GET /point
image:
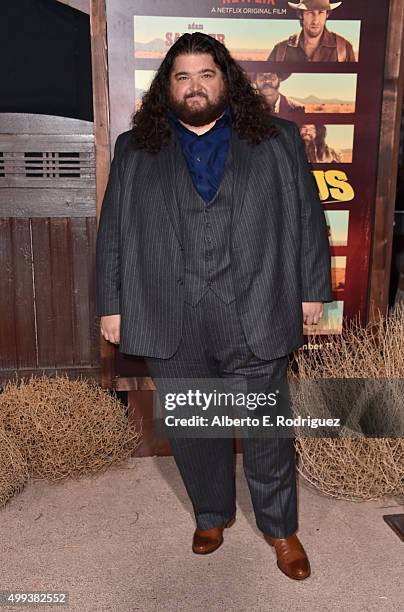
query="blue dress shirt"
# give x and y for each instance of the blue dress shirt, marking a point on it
(205, 154)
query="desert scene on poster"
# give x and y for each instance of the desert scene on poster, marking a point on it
(338, 271)
(334, 93)
(246, 39)
(311, 92)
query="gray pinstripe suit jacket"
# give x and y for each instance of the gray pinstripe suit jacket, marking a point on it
(279, 246)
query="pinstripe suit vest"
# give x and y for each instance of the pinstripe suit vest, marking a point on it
(206, 231)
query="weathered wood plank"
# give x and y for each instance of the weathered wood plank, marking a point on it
(95, 336)
(28, 123)
(91, 372)
(24, 306)
(8, 343)
(43, 292)
(47, 203)
(62, 143)
(79, 256)
(61, 280)
(22, 182)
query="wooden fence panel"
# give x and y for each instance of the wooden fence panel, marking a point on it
(48, 319)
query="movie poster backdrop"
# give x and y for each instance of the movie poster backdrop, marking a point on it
(334, 96)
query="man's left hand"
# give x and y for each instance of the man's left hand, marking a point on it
(312, 312)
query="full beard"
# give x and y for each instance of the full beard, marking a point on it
(199, 116)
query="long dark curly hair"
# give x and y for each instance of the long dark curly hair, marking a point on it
(251, 116)
(321, 145)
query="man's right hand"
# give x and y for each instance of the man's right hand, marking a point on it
(110, 328)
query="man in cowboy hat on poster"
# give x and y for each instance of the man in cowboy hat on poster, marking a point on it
(268, 84)
(314, 43)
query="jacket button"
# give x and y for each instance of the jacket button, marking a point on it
(180, 281)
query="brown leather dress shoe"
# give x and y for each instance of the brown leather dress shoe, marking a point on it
(207, 540)
(292, 559)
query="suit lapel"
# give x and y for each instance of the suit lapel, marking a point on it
(242, 153)
(167, 162)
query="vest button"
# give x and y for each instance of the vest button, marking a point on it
(180, 281)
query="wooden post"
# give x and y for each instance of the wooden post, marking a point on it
(388, 163)
(98, 25)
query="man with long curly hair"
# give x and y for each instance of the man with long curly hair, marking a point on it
(317, 150)
(212, 251)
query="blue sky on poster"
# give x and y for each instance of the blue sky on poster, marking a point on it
(338, 261)
(240, 33)
(322, 85)
(340, 136)
(338, 221)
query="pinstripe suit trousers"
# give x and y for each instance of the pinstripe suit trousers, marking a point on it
(213, 345)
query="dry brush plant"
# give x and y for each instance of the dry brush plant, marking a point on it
(65, 427)
(359, 378)
(13, 468)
